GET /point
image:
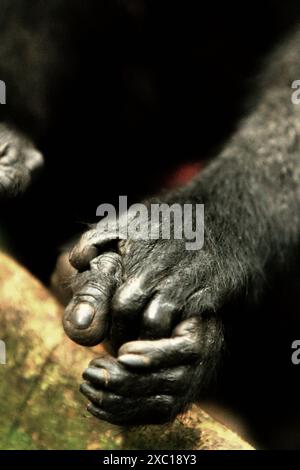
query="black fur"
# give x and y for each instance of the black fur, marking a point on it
(251, 193)
(149, 91)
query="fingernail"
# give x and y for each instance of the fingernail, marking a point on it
(82, 315)
(134, 360)
(96, 375)
(81, 256)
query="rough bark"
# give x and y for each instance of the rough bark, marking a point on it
(40, 406)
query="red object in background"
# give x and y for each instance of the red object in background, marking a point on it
(183, 174)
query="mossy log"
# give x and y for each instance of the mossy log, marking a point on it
(40, 405)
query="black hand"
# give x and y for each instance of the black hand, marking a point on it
(153, 381)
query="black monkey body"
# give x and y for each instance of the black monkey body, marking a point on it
(167, 312)
(251, 193)
(154, 92)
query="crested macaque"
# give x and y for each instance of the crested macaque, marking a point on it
(108, 89)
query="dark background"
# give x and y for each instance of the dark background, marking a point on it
(145, 87)
(149, 86)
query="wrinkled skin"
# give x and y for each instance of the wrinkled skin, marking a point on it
(161, 306)
(121, 392)
(156, 300)
(158, 304)
(164, 314)
(19, 161)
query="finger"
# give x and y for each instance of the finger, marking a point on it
(182, 348)
(127, 305)
(106, 232)
(120, 380)
(86, 319)
(91, 243)
(101, 414)
(120, 410)
(159, 318)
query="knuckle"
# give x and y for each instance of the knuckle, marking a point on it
(83, 253)
(109, 264)
(101, 361)
(122, 299)
(131, 296)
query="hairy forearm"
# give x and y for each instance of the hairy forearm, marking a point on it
(251, 191)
